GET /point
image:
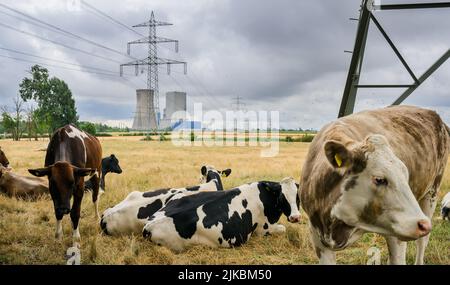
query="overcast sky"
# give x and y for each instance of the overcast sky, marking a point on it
(283, 55)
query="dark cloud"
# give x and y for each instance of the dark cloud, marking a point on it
(282, 55)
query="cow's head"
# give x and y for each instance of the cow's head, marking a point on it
(209, 173)
(3, 170)
(445, 210)
(376, 196)
(286, 197)
(3, 160)
(63, 179)
(112, 164)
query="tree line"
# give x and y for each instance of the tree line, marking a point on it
(54, 107)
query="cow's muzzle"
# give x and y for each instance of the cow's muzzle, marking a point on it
(446, 213)
(146, 234)
(104, 226)
(423, 227)
(294, 218)
(62, 211)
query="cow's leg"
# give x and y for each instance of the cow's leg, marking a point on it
(397, 250)
(326, 256)
(428, 205)
(95, 190)
(276, 229)
(75, 215)
(59, 230)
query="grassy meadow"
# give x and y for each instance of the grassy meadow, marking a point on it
(27, 228)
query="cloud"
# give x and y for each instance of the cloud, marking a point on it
(282, 55)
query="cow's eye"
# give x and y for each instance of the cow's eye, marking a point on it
(380, 181)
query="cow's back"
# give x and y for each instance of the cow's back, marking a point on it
(417, 136)
(75, 147)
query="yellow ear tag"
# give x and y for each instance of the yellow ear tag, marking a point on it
(338, 160)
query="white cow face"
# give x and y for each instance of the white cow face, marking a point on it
(376, 196)
(290, 205)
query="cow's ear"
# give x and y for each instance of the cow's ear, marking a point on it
(39, 172)
(203, 170)
(81, 172)
(337, 154)
(225, 172)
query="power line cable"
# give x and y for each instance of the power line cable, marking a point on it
(57, 43)
(65, 32)
(103, 14)
(60, 61)
(57, 66)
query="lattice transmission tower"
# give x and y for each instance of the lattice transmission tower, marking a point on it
(152, 62)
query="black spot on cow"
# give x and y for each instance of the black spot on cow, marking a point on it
(273, 200)
(183, 211)
(148, 211)
(154, 193)
(168, 198)
(220, 240)
(350, 183)
(266, 226)
(237, 228)
(193, 188)
(214, 175)
(244, 203)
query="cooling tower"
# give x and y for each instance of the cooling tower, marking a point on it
(175, 101)
(144, 117)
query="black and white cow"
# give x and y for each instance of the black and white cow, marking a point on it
(130, 215)
(109, 164)
(445, 210)
(224, 218)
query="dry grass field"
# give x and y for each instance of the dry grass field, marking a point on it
(27, 228)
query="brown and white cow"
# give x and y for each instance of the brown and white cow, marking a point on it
(3, 160)
(71, 156)
(15, 185)
(375, 171)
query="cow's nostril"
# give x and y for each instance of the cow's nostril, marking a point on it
(294, 219)
(147, 234)
(424, 227)
(103, 226)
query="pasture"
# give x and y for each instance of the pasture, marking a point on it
(27, 228)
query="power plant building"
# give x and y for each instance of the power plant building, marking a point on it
(176, 107)
(144, 117)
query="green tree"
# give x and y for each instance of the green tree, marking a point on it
(88, 127)
(56, 106)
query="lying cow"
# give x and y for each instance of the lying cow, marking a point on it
(445, 210)
(109, 164)
(3, 160)
(375, 171)
(71, 156)
(224, 218)
(15, 185)
(130, 215)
